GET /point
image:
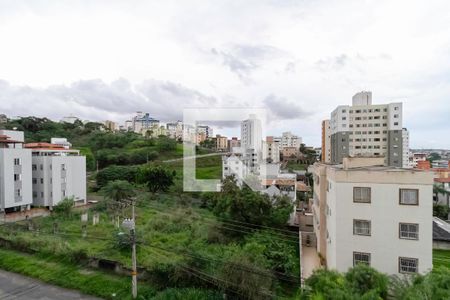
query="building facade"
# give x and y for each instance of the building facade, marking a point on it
(326, 141)
(365, 212)
(143, 122)
(15, 172)
(406, 152)
(290, 140)
(57, 173)
(272, 150)
(366, 129)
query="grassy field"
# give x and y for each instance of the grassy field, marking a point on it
(291, 165)
(441, 258)
(169, 236)
(62, 272)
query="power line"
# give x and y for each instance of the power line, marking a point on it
(184, 253)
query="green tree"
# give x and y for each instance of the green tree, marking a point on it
(64, 207)
(441, 211)
(118, 194)
(363, 280)
(157, 179)
(166, 144)
(112, 173)
(434, 285)
(245, 205)
(238, 281)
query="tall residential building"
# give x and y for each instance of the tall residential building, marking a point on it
(406, 163)
(57, 173)
(143, 122)
(272, 149)
(15, 172)
(251, 134)
(290, 140)
(3, 119)
(205, 130)
(175, 130)
(365, 212)
(326, 141)
(366, 129)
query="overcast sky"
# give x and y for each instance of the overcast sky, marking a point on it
(103, 60)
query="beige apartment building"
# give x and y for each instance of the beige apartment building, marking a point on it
(221, 142)
(365, 212)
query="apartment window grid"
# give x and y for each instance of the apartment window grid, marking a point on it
(409, 197)
(361, 258)
(409, 231)
(362, 195)
(17, 161)
(362, 227)
(408, 265)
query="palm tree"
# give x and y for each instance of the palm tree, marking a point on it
(120, 194)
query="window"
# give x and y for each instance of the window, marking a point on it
(409, 231)
(17, 161)
(361, 227)
(34, 167)
(361, 258)
(18, 192)
(17, 177)
(34, 194)
(63, 167)
(42, 180)
(34, 180)
(408, 265)
(41, 167)
(409, 197)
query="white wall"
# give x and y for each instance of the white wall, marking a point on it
(7, 170)
(385, 214)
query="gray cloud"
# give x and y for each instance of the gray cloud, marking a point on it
(97, 100)
(242, 59)
(282, 108)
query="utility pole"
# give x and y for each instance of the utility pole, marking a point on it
(130, 224)
(133, 253)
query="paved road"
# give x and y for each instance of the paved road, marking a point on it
(17, 287)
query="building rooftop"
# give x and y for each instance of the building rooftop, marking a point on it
(441, 230)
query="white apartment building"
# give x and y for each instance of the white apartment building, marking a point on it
(175, 130)
(251, 134)
(366, 129)
(57, 173)
(365, 212)
(290, 140)
(326, 141)
(15, 172)
(142, 122)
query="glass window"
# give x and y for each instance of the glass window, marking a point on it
(408, 265)
(361, 227)
(409, 197)
(409, 231)
(361, 258)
